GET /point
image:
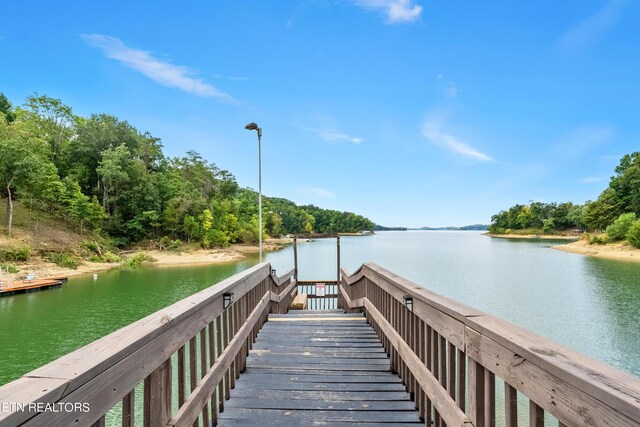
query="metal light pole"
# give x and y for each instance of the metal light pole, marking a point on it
(253, 126)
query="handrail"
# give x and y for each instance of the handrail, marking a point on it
(440, 344)
(108, 370)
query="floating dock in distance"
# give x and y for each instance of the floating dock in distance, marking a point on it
(23, 286)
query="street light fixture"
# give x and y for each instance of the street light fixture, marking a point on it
(253, 126)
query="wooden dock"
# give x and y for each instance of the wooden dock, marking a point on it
(383, 346)
(22, 286)
(318, 367)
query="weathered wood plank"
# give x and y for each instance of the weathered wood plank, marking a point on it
(258, 386)
(349, 376)
(291, 417)
(327, 396)
(321, 404)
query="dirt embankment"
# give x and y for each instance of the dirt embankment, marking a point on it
(43, 268)
(621, 251)
(534, 236)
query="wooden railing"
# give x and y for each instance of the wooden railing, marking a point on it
(464, 367)
(201, 338)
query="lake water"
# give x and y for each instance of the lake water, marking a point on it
(588, 304)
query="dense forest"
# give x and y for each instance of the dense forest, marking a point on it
(104, 175)
(615, 211)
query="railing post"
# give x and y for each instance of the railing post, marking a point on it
(295, 258)
(338, 275)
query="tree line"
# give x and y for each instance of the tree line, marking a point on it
(104, 175)
(615, 211)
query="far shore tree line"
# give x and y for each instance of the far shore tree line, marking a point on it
(616, 211)
(104, 175)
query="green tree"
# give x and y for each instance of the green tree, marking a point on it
(618, 229)
(84, 153)
(113, 175)
(633, 234)
(81, 208)
(626, 183)
(191, 228)
(6, 108)
(53, 121)
(22, 160)
(41, 191)
(599, 214)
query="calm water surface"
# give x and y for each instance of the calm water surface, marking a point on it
(588, 304)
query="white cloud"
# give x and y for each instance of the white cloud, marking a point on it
(594, 26)
(432, 130)
(333, 135)
(397, 11)
(161, 72)
(317, 192)
(591, 180)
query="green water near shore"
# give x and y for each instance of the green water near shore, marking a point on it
(591, 305)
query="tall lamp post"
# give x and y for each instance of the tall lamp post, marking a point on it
(253, 126)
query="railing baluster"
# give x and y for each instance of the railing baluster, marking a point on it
(489, 398)
(157, 396)
(443, 362)
(193, 369)
(212, 359)
(181, 376)
(510, 406)
(221, 393)
(461, 383)
(128, 409)
(435, 367)
(452, 371)
(476, 393)
(421, 354)
(203, 372)
(429, 358)
(536, 415)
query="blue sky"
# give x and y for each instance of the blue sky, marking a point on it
(411, 112)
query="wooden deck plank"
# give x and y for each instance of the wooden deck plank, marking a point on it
(287, 417)
(321, 368)
(327, 396)
(320, 404)
(258, 387)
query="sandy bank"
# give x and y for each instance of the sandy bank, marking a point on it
(615, 251)
(43, 268)
(533, 236)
